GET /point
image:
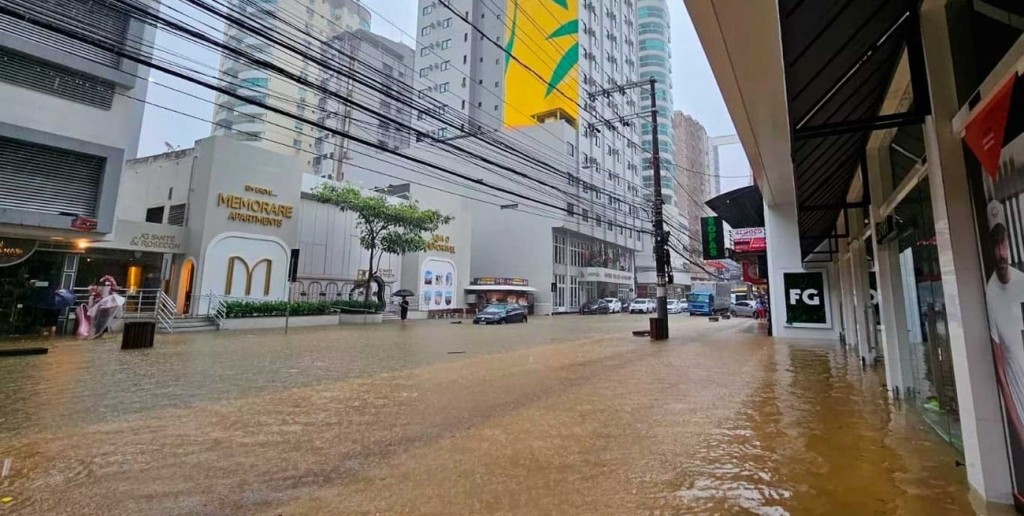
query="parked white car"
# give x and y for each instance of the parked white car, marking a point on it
(642, 306)
(675, 306)
(614, 305)
(742, 309)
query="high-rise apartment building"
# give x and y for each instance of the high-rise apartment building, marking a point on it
(304, 23)
(376, 75)
(696, 183)
(514, 83)
(654, 31)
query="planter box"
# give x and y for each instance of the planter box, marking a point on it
(261, 323)
(359, 318)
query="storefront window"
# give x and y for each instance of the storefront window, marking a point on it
(926, 360)
(25, 290)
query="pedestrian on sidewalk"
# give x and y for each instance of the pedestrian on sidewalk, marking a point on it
(403, 308)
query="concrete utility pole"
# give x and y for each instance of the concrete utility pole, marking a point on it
(659, 323)
(660, 249)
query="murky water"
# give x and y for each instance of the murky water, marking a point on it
(559, 416)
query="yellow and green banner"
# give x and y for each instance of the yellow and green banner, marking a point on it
(542, 39)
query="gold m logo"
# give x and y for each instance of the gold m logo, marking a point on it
(249, 271)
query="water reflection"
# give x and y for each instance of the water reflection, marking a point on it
(550, 417)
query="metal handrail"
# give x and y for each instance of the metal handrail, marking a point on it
(166, 311)
(216, 310)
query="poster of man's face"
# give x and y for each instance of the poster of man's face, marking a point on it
(996, 175)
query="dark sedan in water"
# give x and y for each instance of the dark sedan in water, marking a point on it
(501, 313)
(596, 306)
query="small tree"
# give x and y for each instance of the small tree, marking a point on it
(385, 227)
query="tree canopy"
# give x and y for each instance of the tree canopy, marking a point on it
(385, 226)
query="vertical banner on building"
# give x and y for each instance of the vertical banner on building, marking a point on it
(995, 136)
(542, 39)
(712, 237)
(438, 282)
(807, 299)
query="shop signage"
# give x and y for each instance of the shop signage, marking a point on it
(749, 240)
(806, 299)
(606, 275)
(249, 270)
(712, 237)
(995, 135)
(251, 210)
(14, 250)
(500, 282)
(385, 274)
(83, 224)
(156, 242)
(755, 270)
(441, 244)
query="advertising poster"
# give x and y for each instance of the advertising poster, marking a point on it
(529, 98)
(437, 284)
(995, 137)
(806, 299)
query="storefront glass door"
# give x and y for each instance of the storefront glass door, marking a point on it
(25, 292)
(926, 360)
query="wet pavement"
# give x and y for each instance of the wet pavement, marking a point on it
(563, 415)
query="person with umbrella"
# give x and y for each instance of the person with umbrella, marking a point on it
(403, 306)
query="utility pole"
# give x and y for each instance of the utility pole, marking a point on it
(659, 327)
(659, 323)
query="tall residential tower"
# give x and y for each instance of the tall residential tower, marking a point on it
(297, 22)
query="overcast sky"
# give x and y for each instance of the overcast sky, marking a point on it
(695, 91)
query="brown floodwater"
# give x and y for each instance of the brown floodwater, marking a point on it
(564, 415)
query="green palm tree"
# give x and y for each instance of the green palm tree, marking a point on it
(569, 58)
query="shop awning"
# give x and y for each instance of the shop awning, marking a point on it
(500, 288)
(840, 57)
(740, 208)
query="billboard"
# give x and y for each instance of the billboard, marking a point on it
(749, 240)
(543, 38)
(995, 136)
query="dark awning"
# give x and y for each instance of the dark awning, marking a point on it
(840, 57)
(740, 208)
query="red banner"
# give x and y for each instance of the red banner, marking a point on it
(752, 273)
(984, 133)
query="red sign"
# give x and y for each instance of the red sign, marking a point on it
(752, 273)
(83, 224)
(984, 133)
(749, 240)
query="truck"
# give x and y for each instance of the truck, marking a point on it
(709, 298)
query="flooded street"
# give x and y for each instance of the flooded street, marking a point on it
(562, 415)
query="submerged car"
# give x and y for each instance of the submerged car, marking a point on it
(641, 306)
(595, 306)
(743, 309)
(501, 313)
(614, 305)
(674, 306)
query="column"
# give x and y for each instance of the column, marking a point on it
(985, 450)
(892, 308)
(861, 299)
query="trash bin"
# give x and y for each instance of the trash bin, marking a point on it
(659, 328)
(138, 335)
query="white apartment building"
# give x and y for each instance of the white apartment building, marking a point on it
(468, 85)
(377, 75)
(303, 23)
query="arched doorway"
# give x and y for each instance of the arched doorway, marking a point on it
(185, 283)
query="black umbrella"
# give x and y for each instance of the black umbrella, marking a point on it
(403, 293)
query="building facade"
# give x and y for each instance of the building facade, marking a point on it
(914, 225)
(383, 75)
(297, 23)
(696, 182)
(655, 60)
(68, 122)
